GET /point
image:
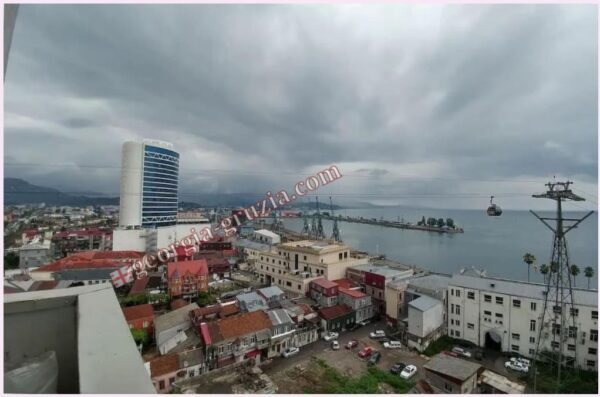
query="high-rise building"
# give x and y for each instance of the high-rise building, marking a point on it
(149, 184)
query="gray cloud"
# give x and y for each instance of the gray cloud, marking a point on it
(402, 96)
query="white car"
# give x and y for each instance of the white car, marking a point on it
(394, 344)
(515, 366)
(377, 334)
(520, 360)
(290, 351)
(461, 352)
(329, 336)
(335, 345)
(408, 372)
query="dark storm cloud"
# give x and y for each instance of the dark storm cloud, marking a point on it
(399, 96)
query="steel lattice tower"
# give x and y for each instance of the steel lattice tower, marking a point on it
(336, 231)
(557, 321)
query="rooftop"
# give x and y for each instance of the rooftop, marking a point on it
(501, 383)
(173, 318)
(384, 270)
(519, 288)
(436, 282)
(336, 311)
(272, 291)
(195, 267)
(454, 367)
(91, 260)
(138, 312)
(253, 245)
(279, 316)
(424, 303)
(345, 283)
(252, 301)
(267, 233)
(324, 283)
(353, 293)
(243, 324)
(314, 246)
(163, 365)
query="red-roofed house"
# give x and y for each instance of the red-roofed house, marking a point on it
(360, 302)
(140, 317)
(337, 318)
(236, 338)
(163, 371)
(187, 278)
(346, 283)
(324, 292)
(92, 260)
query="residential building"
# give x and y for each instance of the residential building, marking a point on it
(266, 237)
(69, 241)
(235, 339)
(163, 371)
(171, 329)
(425, 322)
(337, 318)
(376, 278)
(85, 328)
(34, 254)
(282, 332)
(447, 374)
(293, 265)
(324, 292)
(187, 278)
(214, 312)
(192, 362)
(506, 315)
(273, 295)
(140, 317)
(306, 320)
(358, 301)
(494, 383)
(395, 310)
(251, 302)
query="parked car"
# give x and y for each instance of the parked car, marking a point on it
(366, 352)
(364, 322)
(377, 334)
(408, 372)
(335, 345)
(397, 368)
(329, 336)
(290, 351)
(515, 366)
(384, 340)
(352, 344)
(446, 352)
(461, 351)
(374, 358)
(394, 344)
(521, 360)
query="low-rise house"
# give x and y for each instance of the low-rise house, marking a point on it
(282, 332)
(324, 292)
(192, 362)
(214, 312)
(358, 301)
(251, 302)
(217, 265)
(187, 278)
(34, 254)
(425, 322)
(235, 339)
(337, 318)
(266, 237)
(493, 383)
(307, 322)
(171, 329)
(447, 374)
(273, 295)
(163, 371)
(152, 284)
(140, 317)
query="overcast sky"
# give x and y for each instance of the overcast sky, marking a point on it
(429, 101)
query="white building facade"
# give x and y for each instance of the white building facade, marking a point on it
(506, 315)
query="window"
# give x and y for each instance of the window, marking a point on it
(171, 380)
(531, 352)
(554, 344)
(532, 325)
(555, 329)
(487, 312)
(447, 387)
(457, 322)
(452, 308)
(516, 336)
(471, 295)
(457, 334)
(457, 309)
(514, 348)
(533, 306)
(304, 257)
(571, 348)
(288, 283)
(299, 287)
(593, 351)
(452, 291)
(145, 325)
(516, 303)
(487, 298)
(451, 332)
(594, 335)
(531, 339)
(556, 309)
(572, 332)
(161, 384)
(340, 256)
(574, 311)
(452, 322)
(499, 315)
(594, 314)
(470, 326)
(590, 363)
(458, 293)
(499, 300)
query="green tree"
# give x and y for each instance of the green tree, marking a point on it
(574, 269)
(431, 221)
(440, 223)
(589, 273)
(544, 269)
(450, 222)
(140, 336)
(11, 261)
(528, 259)
(423, 222)
(205, 298)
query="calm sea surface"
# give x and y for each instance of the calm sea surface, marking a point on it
(496, 244)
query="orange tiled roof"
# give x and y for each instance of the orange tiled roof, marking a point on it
(197, 267)
(233, 327)
(138, 311)
(92, 260)
(332, 312)
(164, 365)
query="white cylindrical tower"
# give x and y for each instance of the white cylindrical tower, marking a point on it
(130, 204)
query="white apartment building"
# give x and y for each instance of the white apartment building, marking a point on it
(506, 315)
(292, 266)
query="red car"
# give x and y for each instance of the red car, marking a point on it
(366, 352)
(446, 352)
(352, 344)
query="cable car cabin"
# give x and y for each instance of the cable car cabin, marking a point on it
(493, 209)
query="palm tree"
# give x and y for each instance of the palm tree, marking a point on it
(589, 273)
(574, 269)
(544, 269)
(529, 259)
